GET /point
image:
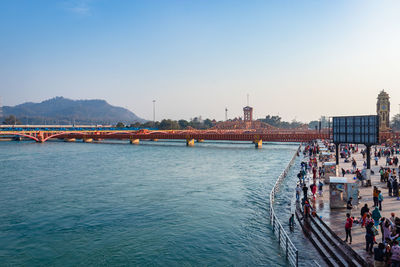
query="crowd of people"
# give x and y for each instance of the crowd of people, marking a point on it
(312, 173)
(382, 234)
(387, 251)
(385, 232)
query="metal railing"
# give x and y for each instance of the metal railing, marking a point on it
(291, 252)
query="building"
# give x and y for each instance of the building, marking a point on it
(248, 113)
(383, 111)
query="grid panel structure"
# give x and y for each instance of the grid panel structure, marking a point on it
(356, 130)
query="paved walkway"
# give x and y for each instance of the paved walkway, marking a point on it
(336, 218)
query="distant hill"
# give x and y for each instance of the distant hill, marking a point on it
(60, 110)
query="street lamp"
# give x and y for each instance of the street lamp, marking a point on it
(154, 113)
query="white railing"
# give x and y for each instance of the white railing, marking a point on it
(292, 254)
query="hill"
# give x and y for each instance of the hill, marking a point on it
(60, 110)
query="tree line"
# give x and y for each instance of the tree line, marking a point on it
(198, 123)
(167, 124)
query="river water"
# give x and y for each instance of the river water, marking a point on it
(154, 204)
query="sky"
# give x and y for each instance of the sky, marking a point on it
(296, 59)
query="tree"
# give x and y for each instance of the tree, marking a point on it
(135, 125)
(168, 125)
(183, 124)
(120, 125)
(395, 124)
(208, 123)
(195, 123)
(272, 120)
(11, 120)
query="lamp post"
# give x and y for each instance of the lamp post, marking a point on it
(154, 113)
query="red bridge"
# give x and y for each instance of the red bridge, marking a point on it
(190, 136)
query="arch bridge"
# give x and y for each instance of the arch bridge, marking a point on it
(190, 136)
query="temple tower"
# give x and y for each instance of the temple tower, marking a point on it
(248, 113)
(383, 111)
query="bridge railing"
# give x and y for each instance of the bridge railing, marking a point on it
(291, 252)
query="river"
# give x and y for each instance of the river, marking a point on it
(153, 204)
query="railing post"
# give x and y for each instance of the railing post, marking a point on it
(279, 235)
(270, 215)
(273, 224)
(287, 247)
(297, 258)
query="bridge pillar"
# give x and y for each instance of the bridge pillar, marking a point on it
(189, 142)
(134, 141)
(258, 143)
(200, 140)
(87, 140)
(40, 137)
(154, 140)
(69, 139)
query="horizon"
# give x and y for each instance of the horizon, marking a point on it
(296, 60)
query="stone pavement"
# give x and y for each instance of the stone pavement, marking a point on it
(336, 218)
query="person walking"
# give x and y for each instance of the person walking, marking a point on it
(305, 190)
(369, 237)
(291, 222)
(298, 192)
(349, 205)
(354, 164)
(395, 185)
(313, 189)
(307, 209)
(386, 229)
(348, 226)
(376, 215)
(382, 173)
(299, 175)
(320, 188)
(314, 171)
(390, 186)
(364, 212)
(375, 195)
(380, 199)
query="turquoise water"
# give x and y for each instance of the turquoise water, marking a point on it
(155, 204)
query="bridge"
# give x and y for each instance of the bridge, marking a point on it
(191, 136)
(71, 133)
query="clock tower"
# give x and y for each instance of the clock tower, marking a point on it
(383, 111)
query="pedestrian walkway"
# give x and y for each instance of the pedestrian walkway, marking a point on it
(336, 218)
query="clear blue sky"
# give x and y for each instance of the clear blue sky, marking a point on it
(298, 59)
